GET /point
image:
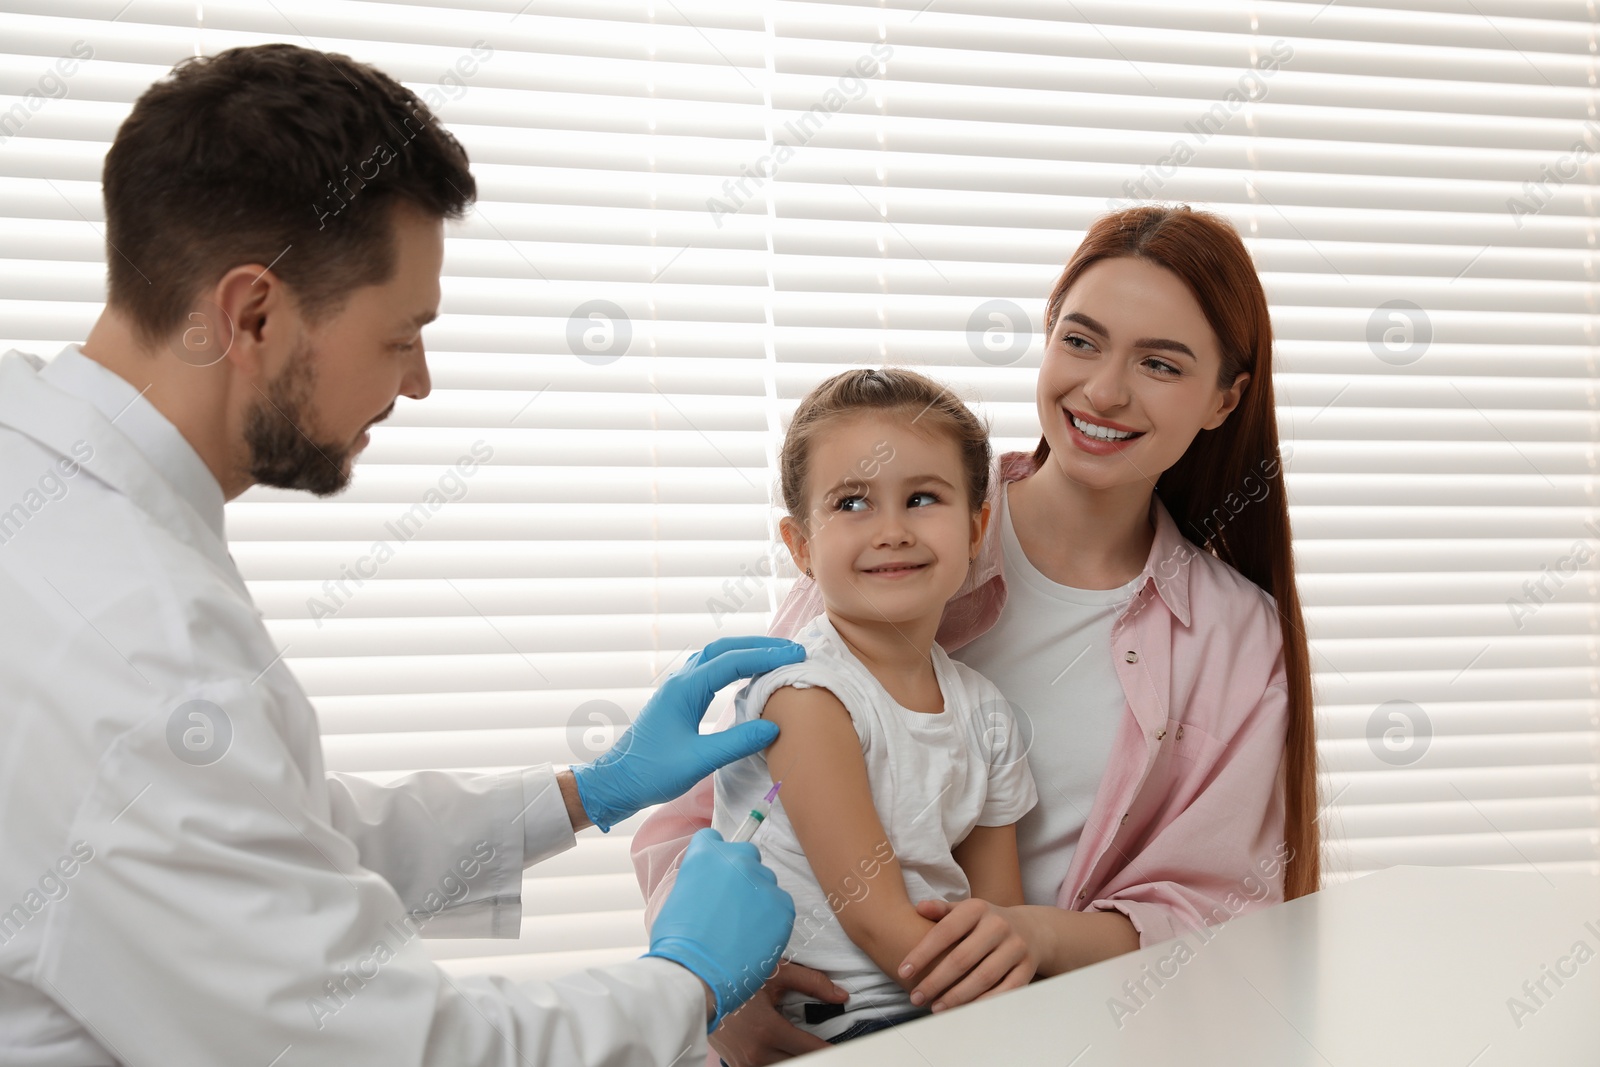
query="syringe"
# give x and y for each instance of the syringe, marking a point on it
(757, 816)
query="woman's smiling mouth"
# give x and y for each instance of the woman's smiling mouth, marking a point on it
(1098, 437)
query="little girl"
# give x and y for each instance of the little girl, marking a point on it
(903, 771)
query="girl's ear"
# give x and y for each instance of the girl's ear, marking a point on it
(980, 524)
(794, 539)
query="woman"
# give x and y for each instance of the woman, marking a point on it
(1168, 685)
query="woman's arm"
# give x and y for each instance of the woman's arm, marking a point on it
(659, 843)
(828, 800)
(994, 942)
(1233, 872)
(990, 948)
(989, 858)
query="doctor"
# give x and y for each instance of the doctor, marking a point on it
(181, 883)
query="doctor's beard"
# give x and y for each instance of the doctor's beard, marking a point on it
(282, 452)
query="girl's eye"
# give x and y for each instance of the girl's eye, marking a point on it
(1161, 366)
(930, 498)
(1081, 343)
(850, 503)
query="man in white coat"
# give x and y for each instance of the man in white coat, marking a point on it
(181, 883)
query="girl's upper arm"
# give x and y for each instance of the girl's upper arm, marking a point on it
(989, 858)
(828, 800)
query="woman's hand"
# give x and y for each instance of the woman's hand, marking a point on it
(990, 951)
(757, 1034)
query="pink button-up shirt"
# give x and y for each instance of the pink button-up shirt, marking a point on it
(1187, 825)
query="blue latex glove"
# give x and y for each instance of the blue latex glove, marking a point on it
(726, 920)
(663, 753)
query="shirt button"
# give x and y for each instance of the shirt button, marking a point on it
(1082, 893)
(1124, 818)
(1161, 733)
(1131, 656)
(1180, 734)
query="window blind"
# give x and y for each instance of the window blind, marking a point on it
(690, 212)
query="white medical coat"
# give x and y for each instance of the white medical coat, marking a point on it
(181, 883)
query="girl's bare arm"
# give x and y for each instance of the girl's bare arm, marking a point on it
(828, 800)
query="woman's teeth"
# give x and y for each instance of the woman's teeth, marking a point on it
(1089, 429)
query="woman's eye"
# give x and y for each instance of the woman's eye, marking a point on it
(1082, 344)
(925, 498)
(1161, 366)
(850, 503)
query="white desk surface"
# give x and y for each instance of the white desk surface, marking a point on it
(1409, 966)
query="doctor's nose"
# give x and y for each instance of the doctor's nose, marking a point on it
(417, 383)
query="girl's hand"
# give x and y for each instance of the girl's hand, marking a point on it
(757, 1034)
(989, 953)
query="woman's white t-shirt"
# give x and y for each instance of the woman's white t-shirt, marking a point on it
(1050, 654)
(933, 777)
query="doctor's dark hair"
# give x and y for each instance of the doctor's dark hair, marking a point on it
(891, 391)
(273, 154)
(1205, 253)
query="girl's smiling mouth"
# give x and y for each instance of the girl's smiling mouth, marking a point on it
(894, 570)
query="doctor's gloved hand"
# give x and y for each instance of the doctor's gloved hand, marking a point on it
(663, 753)
(726, 920)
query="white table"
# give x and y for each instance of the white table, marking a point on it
(1409, 966)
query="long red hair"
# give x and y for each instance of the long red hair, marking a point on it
(1206, 253)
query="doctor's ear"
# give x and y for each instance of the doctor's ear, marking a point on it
(236, 319)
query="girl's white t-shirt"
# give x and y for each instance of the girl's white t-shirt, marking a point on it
(933, 777)
(1050, 653)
